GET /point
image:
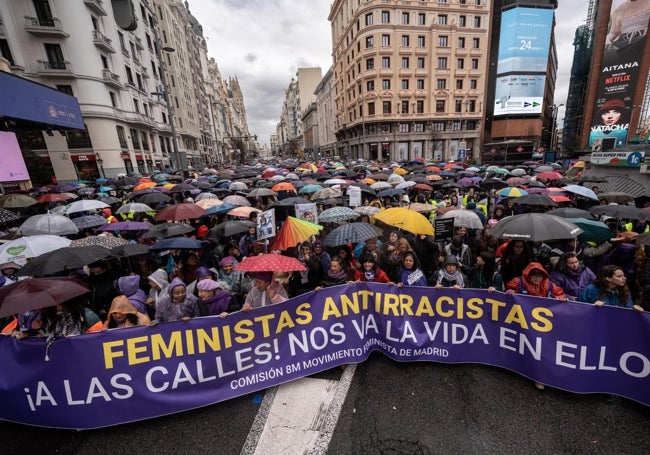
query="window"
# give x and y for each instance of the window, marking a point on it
(138, 77)
(67, 89)
(405, 84)
(443, 41)
(419, 108)
(385, 128)
(422, 19)
(104, 62)
(405, 41)
(442, 62)
(113, 99)
(385, 84)
(369, 19)
(470, 125)
(370, 86)
(456, 125)
(477, 21)
(459, 84)
(419, 84)
(136, 105)
(461, 42)
(471, 106)
(441, 84)
(129, 75)
(440, 106)
(385, 62)
(135, 138)
(473, 84)
(5, 51)
(421, 63)
(370, 64)
(442, 19)
(458, 106)
(476, 43)
(462, 21)
(385, 40)
(405, 62)
(121, 136)
(421, 41)
(474, 63)
(438, 126)
(371, 108)
(460, 63)
(370, 42)
(145, 141)
(55, 56)
(405, 18)
(386, 106)
(385, 17)
(404, 127)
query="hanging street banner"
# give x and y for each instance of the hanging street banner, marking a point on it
(130, 374)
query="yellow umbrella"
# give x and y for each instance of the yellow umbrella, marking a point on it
(400, 171)
(405, 219)
(368, 181)
(433, 177)
(144, 186)
(169, 186)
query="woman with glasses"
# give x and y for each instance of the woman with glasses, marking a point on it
(609, 289)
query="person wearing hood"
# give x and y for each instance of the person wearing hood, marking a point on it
(213, 301)
(535, 281)
(130, 286)
(450, 275)
(571, 275)
(9, 270)
(158, 282)
(266, 291)
(201, 273)
(122, 313)
(177, 304)
(101, 281)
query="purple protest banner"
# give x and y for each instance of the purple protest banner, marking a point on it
(125, 375)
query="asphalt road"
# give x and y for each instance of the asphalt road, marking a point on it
(391, 408)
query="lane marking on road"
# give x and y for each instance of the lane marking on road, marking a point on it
(298, 417)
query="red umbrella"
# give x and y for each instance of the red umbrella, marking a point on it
(423, 186)
(56, 197)
(283, 186)
(549, 175)
(177, 212)
(270, 263)
(35, 293)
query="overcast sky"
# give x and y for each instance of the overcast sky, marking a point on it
(264, 42)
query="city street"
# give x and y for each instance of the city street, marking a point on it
(390, 407)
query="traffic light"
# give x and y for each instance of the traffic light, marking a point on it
(124, 14)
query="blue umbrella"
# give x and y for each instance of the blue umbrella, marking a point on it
(390, 192)
(581, 191)
(594, 231)
(219, 209)
(177, 243)
(312, 188)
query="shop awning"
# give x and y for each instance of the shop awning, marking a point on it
(28, 105)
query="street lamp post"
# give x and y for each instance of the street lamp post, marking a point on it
(100, 162)
(555, 107)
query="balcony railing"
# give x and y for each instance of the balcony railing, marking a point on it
(50, 27)
(103, 42)
(111, 78)
(96, 6)
(55, 68)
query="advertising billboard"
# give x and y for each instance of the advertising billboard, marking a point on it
(619, 74)
(524, 44)
(13, 166)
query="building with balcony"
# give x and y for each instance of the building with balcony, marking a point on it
(409, 77)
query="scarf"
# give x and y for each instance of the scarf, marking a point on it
(337, 276)
(574, 274)
(456, 277)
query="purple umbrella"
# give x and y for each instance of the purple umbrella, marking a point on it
(125, 226)
(465, 182)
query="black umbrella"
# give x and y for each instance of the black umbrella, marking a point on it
(493, 184)
(571, 212)
(228, 228)
(620, 211)
(7, 215)
(154, 198)
(182, 187)
(535, 226)
(68, 258)
(130, 249)
(38, 293)
(350, 233)
(534, 199)
(165, 230)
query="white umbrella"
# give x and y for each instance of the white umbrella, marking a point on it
(237, 186)
(395, 178)
(203, 196)
(334, 182)
(48, 224)
(381, 186)
(464, 218)
(24, 248)
(405, 185)
(85, 205)
(135, 207)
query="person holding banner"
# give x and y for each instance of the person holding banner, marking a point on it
(609, 289)
(371, 271)
(335, 275)
(122, 313)
(450, 275)
(266, 291)
(410, 272)
(177, 305)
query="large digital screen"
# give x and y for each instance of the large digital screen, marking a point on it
(619, 74)
(524, 44)
(13, 166)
